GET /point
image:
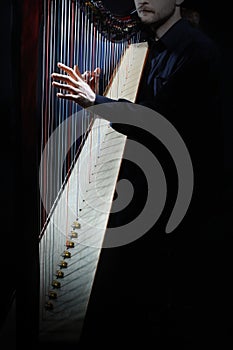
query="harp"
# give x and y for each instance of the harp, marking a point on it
(76, 161)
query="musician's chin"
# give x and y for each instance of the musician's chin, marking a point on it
(147, 17)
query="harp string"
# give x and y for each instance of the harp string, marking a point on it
(70, 36)
(57, 23)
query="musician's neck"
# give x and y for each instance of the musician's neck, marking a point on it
(161, 30)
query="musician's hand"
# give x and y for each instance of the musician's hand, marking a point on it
(75, 87)
(92, 79)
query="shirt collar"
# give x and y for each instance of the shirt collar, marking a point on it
(175, 36)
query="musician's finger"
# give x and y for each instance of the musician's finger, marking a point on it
(77, 71)
(69, 71)
(94, 81)
(65, 78)
(97, 71)
(69, 88)
(86, 73)
(70, 97)
(86, 76)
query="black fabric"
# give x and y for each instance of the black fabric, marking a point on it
(182, 81)
(169, 290)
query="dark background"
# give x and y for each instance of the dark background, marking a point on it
(184, 297)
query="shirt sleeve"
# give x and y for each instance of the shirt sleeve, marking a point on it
(103, 99)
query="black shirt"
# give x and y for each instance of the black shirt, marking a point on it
(181, 81)
(166, 275)
(181, 75)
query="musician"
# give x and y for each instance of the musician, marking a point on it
(181, 80)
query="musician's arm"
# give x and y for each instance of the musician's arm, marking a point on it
(102, 99)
